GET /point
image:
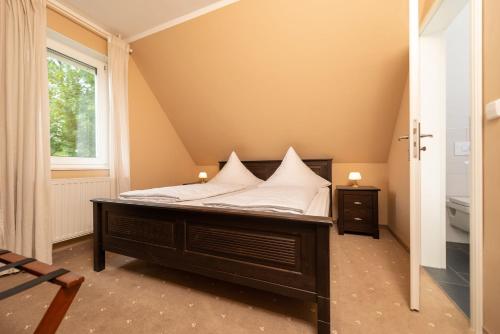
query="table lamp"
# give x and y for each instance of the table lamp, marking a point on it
(203, 177)
(354, 177)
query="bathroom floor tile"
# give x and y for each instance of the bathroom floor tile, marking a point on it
(446, 276)
(459, 246)
(465, 276)
(457, 259)
(455, 279)
(459, 294)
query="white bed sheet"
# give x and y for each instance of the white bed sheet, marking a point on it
(174, 194)
(319, 206)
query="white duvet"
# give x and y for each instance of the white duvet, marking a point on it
(188, 192)
(286, 199)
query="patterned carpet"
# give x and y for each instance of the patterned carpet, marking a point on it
(370, 287)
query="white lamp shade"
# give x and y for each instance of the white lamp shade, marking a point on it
(354, 176)
(203, 175)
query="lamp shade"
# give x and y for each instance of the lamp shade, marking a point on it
(354, 176)
(203, 175)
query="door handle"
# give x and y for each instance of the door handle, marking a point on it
(416, 140)
(403, 138)
(418, 148)
(424, 148)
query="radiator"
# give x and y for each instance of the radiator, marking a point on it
(71, 208)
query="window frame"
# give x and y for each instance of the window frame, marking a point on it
(101, 161)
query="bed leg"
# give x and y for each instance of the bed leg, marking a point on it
(323, 278)
(323, 315)
(99, 255)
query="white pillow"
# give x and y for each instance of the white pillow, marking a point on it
(234, 172)
(294, 172)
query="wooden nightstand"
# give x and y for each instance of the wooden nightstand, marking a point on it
(358, 210)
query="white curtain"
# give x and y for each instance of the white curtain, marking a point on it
(24, 130)
(118, 53)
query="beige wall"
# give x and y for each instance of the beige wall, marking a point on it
(72, 174)
(157, 155)
(399, 176)
(425, 6)
(70, 29)
(491, 169)
(260, 75)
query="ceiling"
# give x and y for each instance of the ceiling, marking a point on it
(326, 76)
(133, 17)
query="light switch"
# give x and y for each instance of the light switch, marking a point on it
(462, 148)
(493, 109)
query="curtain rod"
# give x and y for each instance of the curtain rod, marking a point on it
(77, 18)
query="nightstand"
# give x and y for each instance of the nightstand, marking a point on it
(358, 210)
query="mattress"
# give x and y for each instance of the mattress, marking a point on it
(319, 206)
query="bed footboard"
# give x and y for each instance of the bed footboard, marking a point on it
(284, 254)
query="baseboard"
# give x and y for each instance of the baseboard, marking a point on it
(71, 242)
(398, 239)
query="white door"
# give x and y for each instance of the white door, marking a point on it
(422, 39)
(427, 139)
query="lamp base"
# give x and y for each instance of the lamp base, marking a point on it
(355, 184)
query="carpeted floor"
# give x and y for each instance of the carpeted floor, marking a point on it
(370, 288)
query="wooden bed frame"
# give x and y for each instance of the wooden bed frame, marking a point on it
(283, 253)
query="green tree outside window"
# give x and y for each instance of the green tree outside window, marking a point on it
(72, 103)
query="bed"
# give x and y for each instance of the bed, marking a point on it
(287, 254)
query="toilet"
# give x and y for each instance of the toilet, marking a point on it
(458, 212)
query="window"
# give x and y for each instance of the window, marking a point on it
(78, 109)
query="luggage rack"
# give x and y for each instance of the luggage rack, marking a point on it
(69, 285)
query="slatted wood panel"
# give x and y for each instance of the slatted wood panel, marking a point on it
(278, 250)
(150, 231)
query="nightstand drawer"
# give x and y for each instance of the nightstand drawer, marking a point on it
(360, 215)
(359, 226)
(353, 200)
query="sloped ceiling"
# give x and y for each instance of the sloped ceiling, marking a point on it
(325, 76)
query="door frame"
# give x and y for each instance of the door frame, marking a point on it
(476, 133)
(414, 115)
(476, 159)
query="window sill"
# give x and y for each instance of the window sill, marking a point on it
(79, 167)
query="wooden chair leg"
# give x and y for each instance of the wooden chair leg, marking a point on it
(57, 309)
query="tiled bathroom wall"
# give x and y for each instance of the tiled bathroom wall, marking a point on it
(457, 115)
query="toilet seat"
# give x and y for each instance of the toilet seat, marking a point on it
(460, 200)
(458, 212)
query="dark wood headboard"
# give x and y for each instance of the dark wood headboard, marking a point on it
(263, 169)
